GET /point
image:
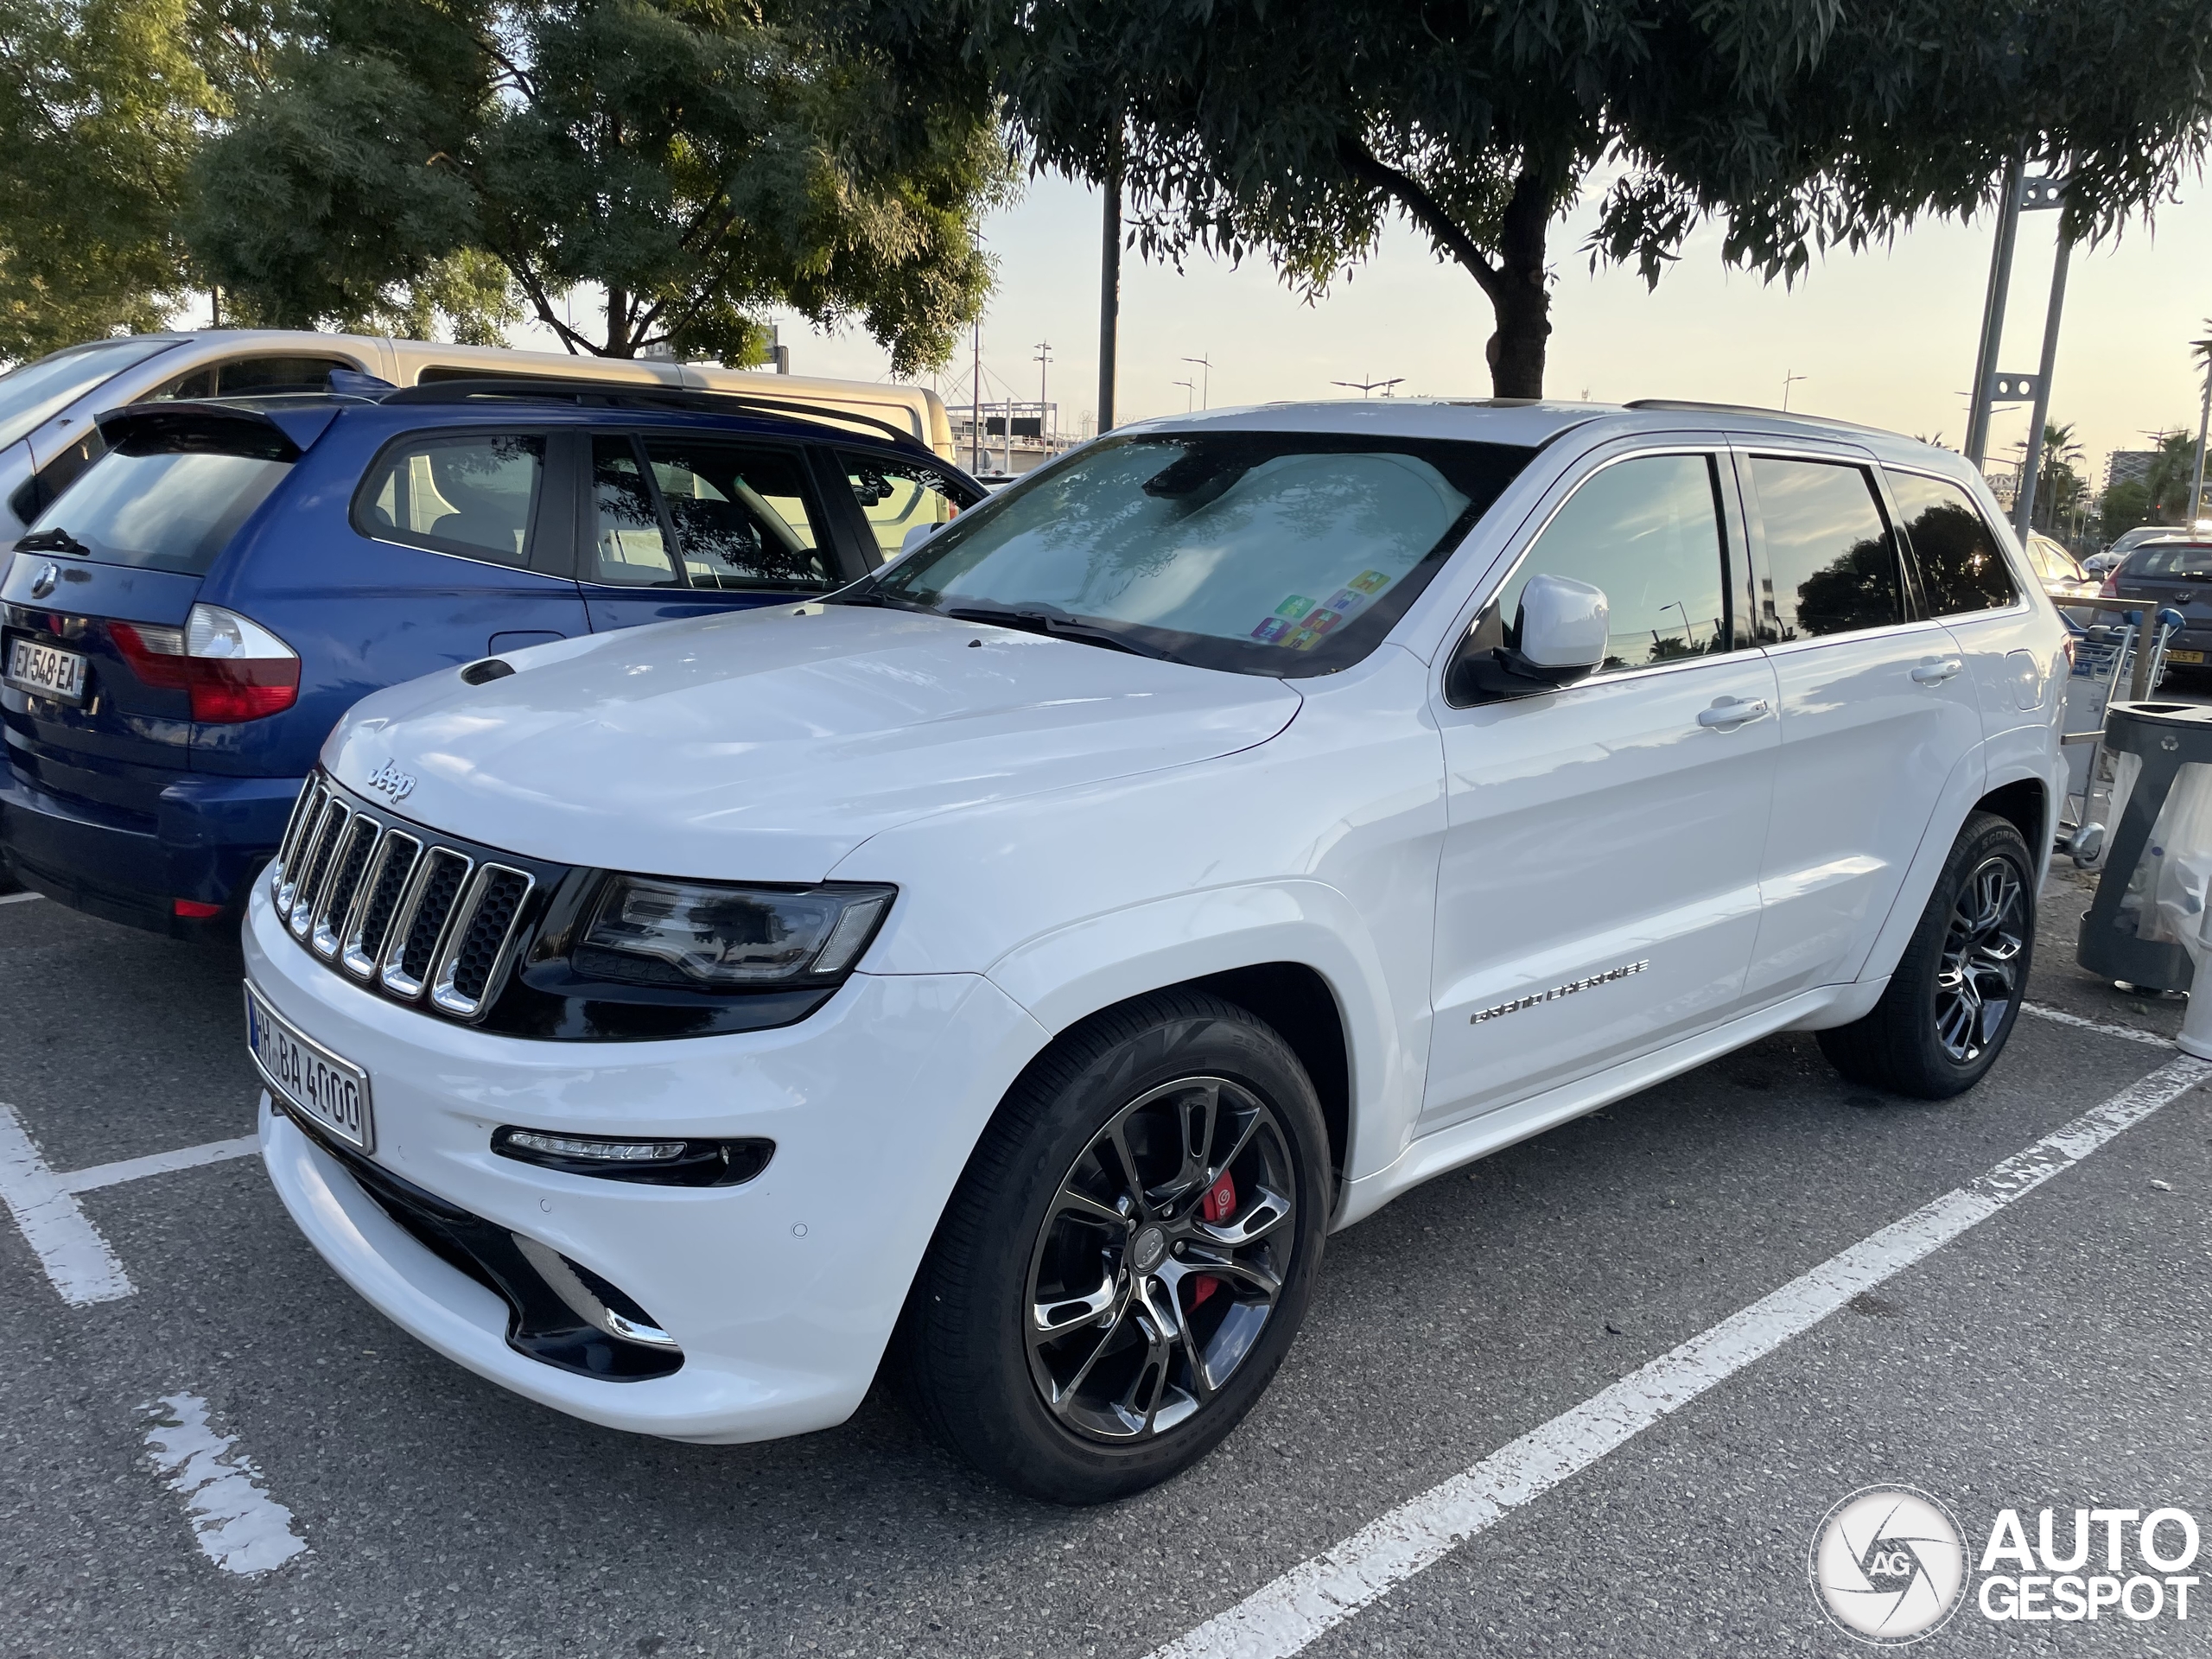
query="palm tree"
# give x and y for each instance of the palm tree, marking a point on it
(2058, 481)
(2201, 350)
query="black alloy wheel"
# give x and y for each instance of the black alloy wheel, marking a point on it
(1129, 1256)
(1956, 994)
(1161, 1259)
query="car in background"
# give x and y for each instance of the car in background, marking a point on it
(2175, 573)
(2102, 564)
(179, 633)
(50, 431)
(2062, 576)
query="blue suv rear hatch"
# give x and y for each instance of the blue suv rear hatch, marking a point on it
(94, 608)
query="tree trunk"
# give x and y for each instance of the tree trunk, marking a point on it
(1521, 303)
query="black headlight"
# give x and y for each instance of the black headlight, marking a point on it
(652, 930)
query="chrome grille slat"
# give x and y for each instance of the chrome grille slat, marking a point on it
(478, 937)
(377, 900)
(424, 915)
(406, 914)
(315, 865)
(288, 845)
(306, 813)
(347, 865)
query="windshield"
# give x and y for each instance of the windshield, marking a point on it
(2172, 561)
(1287, 553)
(166, 510)
(30, 394)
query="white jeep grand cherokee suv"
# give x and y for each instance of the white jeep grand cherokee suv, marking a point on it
(1023, 959)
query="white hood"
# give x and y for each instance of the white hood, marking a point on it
(767, 744)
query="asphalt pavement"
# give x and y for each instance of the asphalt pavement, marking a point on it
(2054, 1355)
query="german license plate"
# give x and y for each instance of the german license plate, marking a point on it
(2194, 658)
(47, 670)
(334, 1092)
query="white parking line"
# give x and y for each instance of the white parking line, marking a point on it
(1281, 1617)
(75, 1257)
(2059, 1016)
(236, 1524)
(44, 1204)
(19, 897)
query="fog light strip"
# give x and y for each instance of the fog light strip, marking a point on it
(1281, 1617)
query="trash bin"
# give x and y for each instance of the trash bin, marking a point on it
(2149, 914)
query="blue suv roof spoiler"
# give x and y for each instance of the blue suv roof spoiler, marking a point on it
(628, 396)
(281, 433)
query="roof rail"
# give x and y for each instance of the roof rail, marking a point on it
(1695, 406)
(621, 395)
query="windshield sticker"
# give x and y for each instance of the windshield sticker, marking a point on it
(1295, 607)
(1369, 582)
(1271, 630)
(1344, 601)
(1322, 621)
(1303, 639)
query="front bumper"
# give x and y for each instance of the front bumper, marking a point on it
(208, 836)
(781, 1292)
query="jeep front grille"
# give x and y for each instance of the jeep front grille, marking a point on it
(397, 908)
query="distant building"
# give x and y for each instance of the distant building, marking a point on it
(2128, 466)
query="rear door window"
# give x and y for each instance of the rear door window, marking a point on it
(1961, 568)
(629, 547)
(161, 510)
(470, 494)
(1831, 568)
(898, 496)
(240, 377)
(741, 515)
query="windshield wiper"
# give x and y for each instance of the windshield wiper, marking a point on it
(56, 540)
(1053, 624)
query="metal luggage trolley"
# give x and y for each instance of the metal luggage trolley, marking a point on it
(2108, 664)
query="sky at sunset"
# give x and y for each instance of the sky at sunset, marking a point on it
(1884, 337)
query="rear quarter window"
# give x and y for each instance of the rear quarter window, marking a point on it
(1961, 568)
(163, 510)
(471, 494)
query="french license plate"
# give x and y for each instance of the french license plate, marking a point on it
(2193, 657)
(334, 1092)
(46, 670)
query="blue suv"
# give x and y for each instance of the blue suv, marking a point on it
(179, 633)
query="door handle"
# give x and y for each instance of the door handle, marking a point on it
(1936, 673)
(1733, 712)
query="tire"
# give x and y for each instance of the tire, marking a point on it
(1047, 1237)
(1935, 1031)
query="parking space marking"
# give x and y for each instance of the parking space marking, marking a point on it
(19, 897)
(75, 1257)
(1281, 1617)
(2059, 1016)
(236, 1524)
(154, 1163)
(44, 1204)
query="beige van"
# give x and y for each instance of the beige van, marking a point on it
(48, 407)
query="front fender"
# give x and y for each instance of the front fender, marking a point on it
(1065, 975)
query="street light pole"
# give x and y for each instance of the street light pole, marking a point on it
(2196, 482)
(975, 401)
(1205, 380)
(1788, 381)
(2024, 510)
(1992, 307)
(1044, 362)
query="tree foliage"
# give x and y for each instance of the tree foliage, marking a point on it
(1243, 127)
(102, 104)
(698, 160)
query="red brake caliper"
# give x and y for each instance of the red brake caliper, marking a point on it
(1217, 1207)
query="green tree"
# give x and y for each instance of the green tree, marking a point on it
(2059, 485)
(1296, 131)
(102, 105)
(2173, 462)
(2124, 505)
(696, 161)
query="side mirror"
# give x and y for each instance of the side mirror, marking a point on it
(915, 537)
(1563, 628)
